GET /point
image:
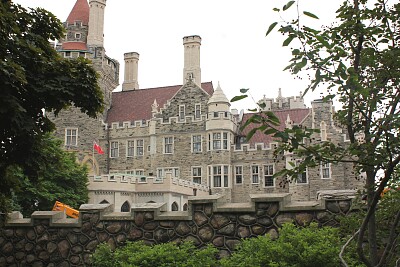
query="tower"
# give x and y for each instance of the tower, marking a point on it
(191, 67)
(96, 23)
(131, 71)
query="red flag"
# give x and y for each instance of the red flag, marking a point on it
(98, 148)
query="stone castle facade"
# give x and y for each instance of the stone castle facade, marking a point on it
(187, 133)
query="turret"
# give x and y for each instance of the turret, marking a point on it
(219, 116)
(96, 23)
(131, 71)
(191, 67)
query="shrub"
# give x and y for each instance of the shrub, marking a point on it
(163, 255)
(295, 247)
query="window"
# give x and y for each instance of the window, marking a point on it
(67, 54)
(215, 114)
(218, 141)
(197, 111)
(139, 172)
(238, 174)
(268, 175)
(196, 175)
(196, 143)
(130, 148)
(255, 174)
(77, 36)
(326, 170)
(161, 172)
(323, 131)
(139, 147)
(168, 145)
(71, 136)
(181, 112)
(220, 175)
(301, 177)
(114, 149)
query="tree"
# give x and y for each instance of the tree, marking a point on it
(59, 177)
(34, 78)
(356, 63)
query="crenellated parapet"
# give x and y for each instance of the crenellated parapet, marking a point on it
(50, 238)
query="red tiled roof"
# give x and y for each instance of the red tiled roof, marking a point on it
(136, 104)
(80, 11)
(296, 116)
(74, 46)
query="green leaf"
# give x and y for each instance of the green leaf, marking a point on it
(276, 9)
(288, 40)
(288, 5)
(238, 97)
(311, 15)
(270, 28)
(244, 90)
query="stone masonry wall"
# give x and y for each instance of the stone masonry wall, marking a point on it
(49, 239)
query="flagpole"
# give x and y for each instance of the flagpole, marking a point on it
(94, 172)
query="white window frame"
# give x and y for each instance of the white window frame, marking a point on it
(181, 112)
(130, 148)
(197, 174)
(168, 146)
(114, 149)
(218, 140)
(197, 111)
(78, 35)
(238, 174)
(255, 174)
(326, 166)
(196, 144)
(139, 149)
(161, 172)
(300, 176)
(268, 175)
(219, 176)
(69, 135)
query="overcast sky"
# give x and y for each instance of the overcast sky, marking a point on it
(234, 51)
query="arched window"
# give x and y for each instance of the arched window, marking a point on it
(104, 202)
(125, 207)
(185, 207)
(174, 207)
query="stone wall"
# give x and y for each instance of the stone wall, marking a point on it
(50, 239)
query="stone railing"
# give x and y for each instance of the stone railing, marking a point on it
(141, 183)
(48, 238)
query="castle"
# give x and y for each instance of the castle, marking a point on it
(165, 144)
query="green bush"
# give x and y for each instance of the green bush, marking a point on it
(296, 247)
(163, 255)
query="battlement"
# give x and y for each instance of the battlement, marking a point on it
(48, 238)
(140, 184)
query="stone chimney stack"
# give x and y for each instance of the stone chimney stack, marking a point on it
(96, 23)
(191, 67)
(131, 71)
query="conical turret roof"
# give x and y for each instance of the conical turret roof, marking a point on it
(80, 11)
(218, 96)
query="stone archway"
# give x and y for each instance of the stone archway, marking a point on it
(174, 207)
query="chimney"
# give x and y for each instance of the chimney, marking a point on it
(96, 23)
(191, 67)
(131, 71)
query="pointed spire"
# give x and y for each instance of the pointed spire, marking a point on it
(218, 96)
(154, 106)
(288, 122)
(80, 12)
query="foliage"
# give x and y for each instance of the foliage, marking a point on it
(33, 78)
(167, 254)
(59, 177)
(295, 247)
(355, 62)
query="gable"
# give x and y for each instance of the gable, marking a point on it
(136, 105)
